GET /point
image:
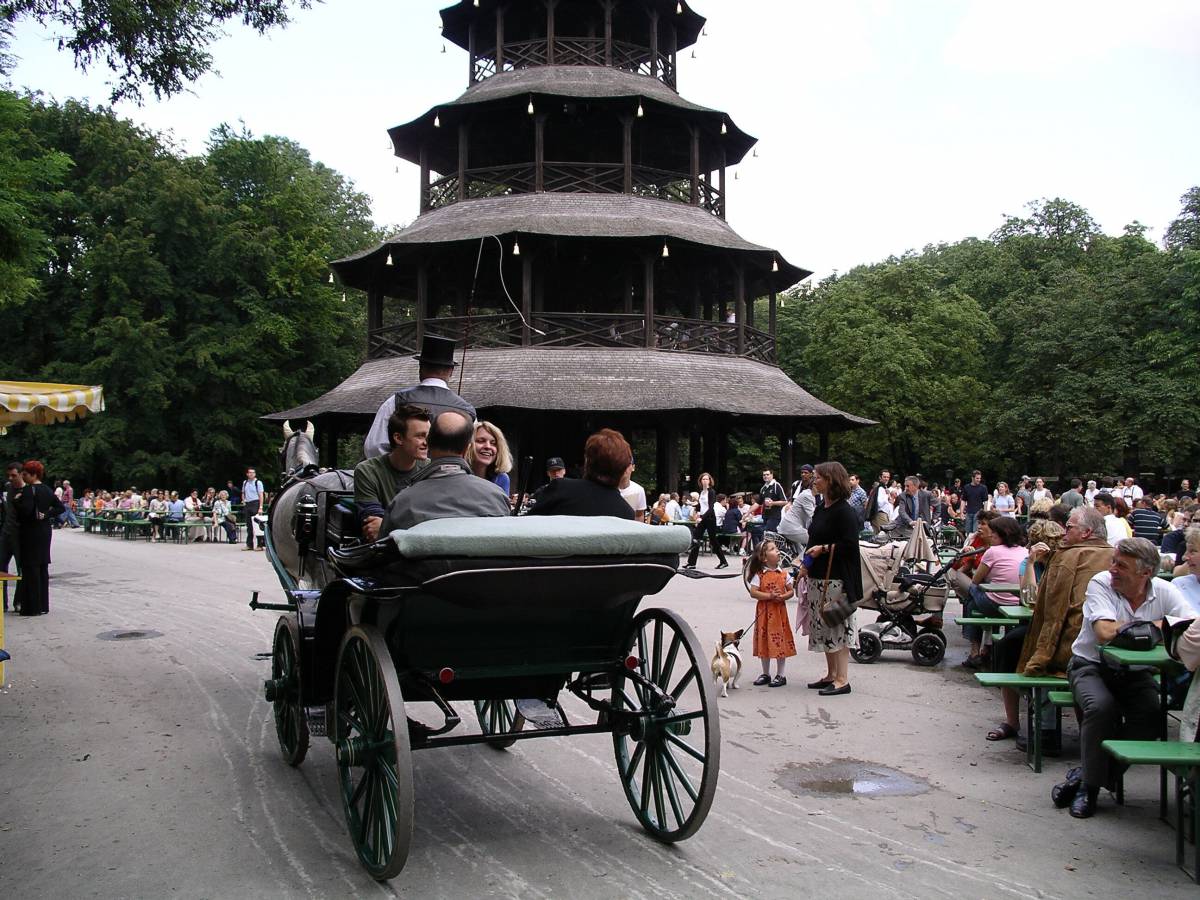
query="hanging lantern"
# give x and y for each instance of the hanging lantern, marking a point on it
(666, 250)
(679, 9)
(724, 127)
(641, 112)
(755, 153)
(529, 108)
(331, 278)
(775, 264)
(343, 296)
(516, 247)
(389, 259)
(437, 121)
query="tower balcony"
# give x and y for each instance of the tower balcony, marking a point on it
(577, 178)
(559, 330)
(576, 51)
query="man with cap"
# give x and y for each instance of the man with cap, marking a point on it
(555, 469)
(436, 365)
(796, 518)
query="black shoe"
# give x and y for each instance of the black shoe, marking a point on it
(722, 565)
(817, 685)
(778, 681)
(1084, 805)
(831, 691)
(1063, 794)
(761, 680)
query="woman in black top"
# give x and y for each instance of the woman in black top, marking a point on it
(707, 524)
(37, 508)
(834, 528)
(606, 457)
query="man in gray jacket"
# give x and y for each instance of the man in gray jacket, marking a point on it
(446, 488)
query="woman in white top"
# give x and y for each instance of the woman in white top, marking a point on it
(1004, 502)
(221, 511)
(1041, 492)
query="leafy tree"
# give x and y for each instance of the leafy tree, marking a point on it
(159, 43)
(193, 289)
(1184, 232)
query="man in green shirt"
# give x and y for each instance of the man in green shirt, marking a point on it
(378, 479)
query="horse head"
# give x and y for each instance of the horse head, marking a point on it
(298, 455)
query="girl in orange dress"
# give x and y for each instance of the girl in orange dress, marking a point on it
(771, 587)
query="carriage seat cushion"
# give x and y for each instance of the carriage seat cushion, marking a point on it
(538, 536)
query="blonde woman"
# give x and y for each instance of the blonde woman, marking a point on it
(488, 455)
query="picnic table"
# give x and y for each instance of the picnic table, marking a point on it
(1156, 658)
(1019, 614)
(1037, 685)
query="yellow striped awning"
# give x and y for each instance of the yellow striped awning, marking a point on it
(45, 404)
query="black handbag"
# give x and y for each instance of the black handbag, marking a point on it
(836, 611)
(1137, 636)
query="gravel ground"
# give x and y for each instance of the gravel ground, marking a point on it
(149, 768)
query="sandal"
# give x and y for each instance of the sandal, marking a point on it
(1002, 732)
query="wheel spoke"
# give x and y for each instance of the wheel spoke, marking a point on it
(684, 682)
(628, 702)
(646, 775)
(683, 717)
(669, 664)
(656, 774)
(656, 659)
(631, 768)
(679, 773)
(358, 790)
(672, 796)
(364, 817)
(686, 747)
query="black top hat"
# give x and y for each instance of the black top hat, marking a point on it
(437, 351)
(555, 462)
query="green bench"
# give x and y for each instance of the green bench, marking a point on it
(1182, 759)
(1037, 686)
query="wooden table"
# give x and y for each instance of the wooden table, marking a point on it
(5, 578)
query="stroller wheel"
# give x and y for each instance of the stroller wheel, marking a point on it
(928, 648)
(870, 647)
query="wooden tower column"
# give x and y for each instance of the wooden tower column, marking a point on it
(526, 295)
(608, 11)
(648, 314)
(654, 43)
(422, 309)
(424, 158)
(721, 186)
(472, 56)
(550, 4)
(499, 39)
(374, 309)
(787, 440)
(539, 152)
(739, 306)
(463, 134)
(627, 153)
(695, 173)
(666, 445)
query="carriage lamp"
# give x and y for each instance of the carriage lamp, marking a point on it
(446, 675)
(304, 522)
(632, 662)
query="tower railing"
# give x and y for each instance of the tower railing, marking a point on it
(576, 51)
(560, 330)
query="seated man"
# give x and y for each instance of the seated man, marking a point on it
(446, 488)
(913, 505)
(378, 479)
(1115, 702)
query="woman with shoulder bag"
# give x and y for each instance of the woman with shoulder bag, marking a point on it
(835, 586)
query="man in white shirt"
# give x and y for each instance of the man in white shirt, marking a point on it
(798, 516)
(634, 494)
(674, 513)
(1114, 701)
(1130, 492)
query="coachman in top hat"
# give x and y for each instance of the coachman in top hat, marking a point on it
(437, 364)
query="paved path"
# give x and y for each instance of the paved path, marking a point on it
(147, 768)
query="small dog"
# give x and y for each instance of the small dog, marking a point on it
(727, 662)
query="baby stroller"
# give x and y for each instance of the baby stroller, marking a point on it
(903, 583)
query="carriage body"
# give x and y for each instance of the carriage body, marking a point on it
(507, 615)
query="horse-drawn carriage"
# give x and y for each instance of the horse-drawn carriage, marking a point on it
(506, 614)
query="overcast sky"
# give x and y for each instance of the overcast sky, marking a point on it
(883, 126)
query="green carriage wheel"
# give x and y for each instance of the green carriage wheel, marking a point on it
(374, 759)
(283, 690)
(669, 759)
(499, 717)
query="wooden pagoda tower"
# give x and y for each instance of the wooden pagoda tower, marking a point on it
(572, 238)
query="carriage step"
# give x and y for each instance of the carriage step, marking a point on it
(316, 720)
(540, 714)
